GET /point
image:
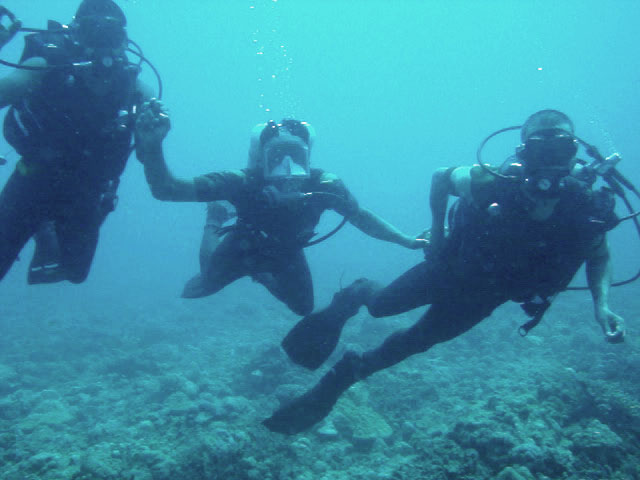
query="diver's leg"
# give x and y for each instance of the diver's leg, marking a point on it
(227, 264)
(422, 284)
(78, 235)
(82, 208)
(45, 266)
(440, 323)
(22, 209)
(217, 214)
(290, 282)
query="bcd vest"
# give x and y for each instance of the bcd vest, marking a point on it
(498, 242)
(63, 121)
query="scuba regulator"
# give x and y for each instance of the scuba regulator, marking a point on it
(272, 197)
(547, 158)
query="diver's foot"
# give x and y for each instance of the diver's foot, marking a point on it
(218, 213)
(314, 405)
(351, 298)
(196, 288)
(299, 415)
(312, 340)
(266, 279)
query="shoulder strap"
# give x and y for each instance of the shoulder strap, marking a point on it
(33, 46)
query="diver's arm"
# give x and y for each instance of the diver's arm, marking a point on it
(445, 182)
(374, 226)
(17, 84)
(152, 126)
(7, 33)
(163, 185)
(598, 268)
(438, 199)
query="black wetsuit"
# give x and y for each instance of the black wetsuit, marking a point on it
(270, 234)
(74, 145)
(493, 255)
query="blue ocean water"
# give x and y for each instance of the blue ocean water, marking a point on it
(120, 378)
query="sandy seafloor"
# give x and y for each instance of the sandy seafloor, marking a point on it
(177, 389)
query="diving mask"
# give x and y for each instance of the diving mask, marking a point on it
(286, 160)
(549, 148)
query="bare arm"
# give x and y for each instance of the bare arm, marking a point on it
(374, 226)
(598, 267)
(152, 126)
(438, 199)
(445, 182)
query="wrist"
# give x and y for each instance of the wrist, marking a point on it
(149, 149)
(406, 241)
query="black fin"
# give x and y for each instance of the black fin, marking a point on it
(315, 337)
(301, 414)
(314, 405)
(195, 288)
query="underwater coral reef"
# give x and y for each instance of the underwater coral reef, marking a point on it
(177, 390)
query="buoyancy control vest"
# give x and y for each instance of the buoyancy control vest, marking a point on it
(496, 241)
(63, 121)
(283, 222)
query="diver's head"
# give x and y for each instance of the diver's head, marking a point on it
(545, 120)
(99, 28)
(548, 152)
(281, 151)
(100, 24)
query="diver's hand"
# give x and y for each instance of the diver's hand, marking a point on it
(6, 34)
(434, 243)
(152, 125)
(417, 242)
(612, 325)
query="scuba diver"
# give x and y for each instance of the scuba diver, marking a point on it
(516, 233)
(278, 198)
(71, 98)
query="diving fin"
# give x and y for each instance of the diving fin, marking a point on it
(314, 405)
(312, 340)
(196, 288)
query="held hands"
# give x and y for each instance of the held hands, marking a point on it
(152, 125)
(433, 242)
(418, 242)
(6, 34)
(612, 325)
